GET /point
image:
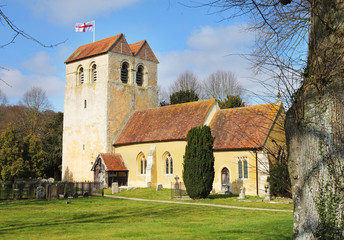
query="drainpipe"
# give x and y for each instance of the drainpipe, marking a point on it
(257, 172)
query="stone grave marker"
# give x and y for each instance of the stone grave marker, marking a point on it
(242, 194)
(51, 191)
(69, 189)
(60, 190)
(51, 180)
(159, 187)
(40, 192)
(115, 187)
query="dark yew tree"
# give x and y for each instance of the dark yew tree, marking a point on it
(183, 96)
(198, 167)
(231, 102)
(301, 44)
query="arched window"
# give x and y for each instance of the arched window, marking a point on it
(85, 103)
(81, 75)
(139, 76)
(124, 72)
(94, 72)
(225, 179)
(168, 163)
(142, 163)
(240, 168)
(245, 169)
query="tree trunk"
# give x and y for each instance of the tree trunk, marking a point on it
(317, 115)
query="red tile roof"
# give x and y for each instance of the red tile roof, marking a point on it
(167, 123)
(113, 162)
(93, 49)
(135, 47)
(110, 44)
(243, 128)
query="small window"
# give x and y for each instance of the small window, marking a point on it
(240, 169)
(85, 103)
(94, 72)
(81, 75)
(139, 76)
(142, 163)
(168, 164)
(245, 169)
(124, 72)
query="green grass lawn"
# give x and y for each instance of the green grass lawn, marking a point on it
(165, 194)
(107, 218)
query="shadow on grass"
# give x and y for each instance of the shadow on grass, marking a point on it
(221, 196)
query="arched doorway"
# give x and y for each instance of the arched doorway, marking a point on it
(225, 179)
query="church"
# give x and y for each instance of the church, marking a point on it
(114, 130)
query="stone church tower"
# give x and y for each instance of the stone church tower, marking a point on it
(105, 82)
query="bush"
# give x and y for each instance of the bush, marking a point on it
(198, 167)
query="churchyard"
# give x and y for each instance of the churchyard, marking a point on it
(104, 217)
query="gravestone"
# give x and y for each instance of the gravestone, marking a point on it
(40, 192)
(114, 187)
(69, 189)
(267, 190)
(176, 185)
(85, 194)
(75, 195)
(159, 187)
(51, 192)
(60, 189)
(51, 180)
(242, 194)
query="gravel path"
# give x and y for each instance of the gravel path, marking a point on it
(200, 204)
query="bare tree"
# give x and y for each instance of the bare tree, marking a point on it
(221, 84)
(186, 81)
(36, 102)
(3, 99)
(301, 45)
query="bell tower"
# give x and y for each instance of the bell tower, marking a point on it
(105, 82)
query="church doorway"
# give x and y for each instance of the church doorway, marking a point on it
(225, 179)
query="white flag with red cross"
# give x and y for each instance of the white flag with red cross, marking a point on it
(85, 27)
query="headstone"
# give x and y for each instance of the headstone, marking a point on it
(242, 194)
(40, 192)
(44, 180)
(69, 189)
(176, 185)
(60, 189)
(75, 195)
(114, 187)
(68, 201)
(51, 191)
(86, 194)
(51, 180)
(149, 184)
(159, 187)
(267, 190)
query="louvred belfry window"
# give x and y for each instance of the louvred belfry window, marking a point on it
(139, 76)
(124, 72)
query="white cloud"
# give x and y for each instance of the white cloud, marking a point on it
(21, 83)
(211, 49)
(40, 64)
(69, 11)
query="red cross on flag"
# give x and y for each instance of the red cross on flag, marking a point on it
(84, 27)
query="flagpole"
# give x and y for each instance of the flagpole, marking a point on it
(94, 31)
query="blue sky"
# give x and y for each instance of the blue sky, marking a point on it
(182, 38)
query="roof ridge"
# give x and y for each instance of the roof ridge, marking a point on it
(176, 105)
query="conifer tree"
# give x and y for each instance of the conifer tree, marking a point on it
(33, 156)
(198, 171)
(11, 161)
